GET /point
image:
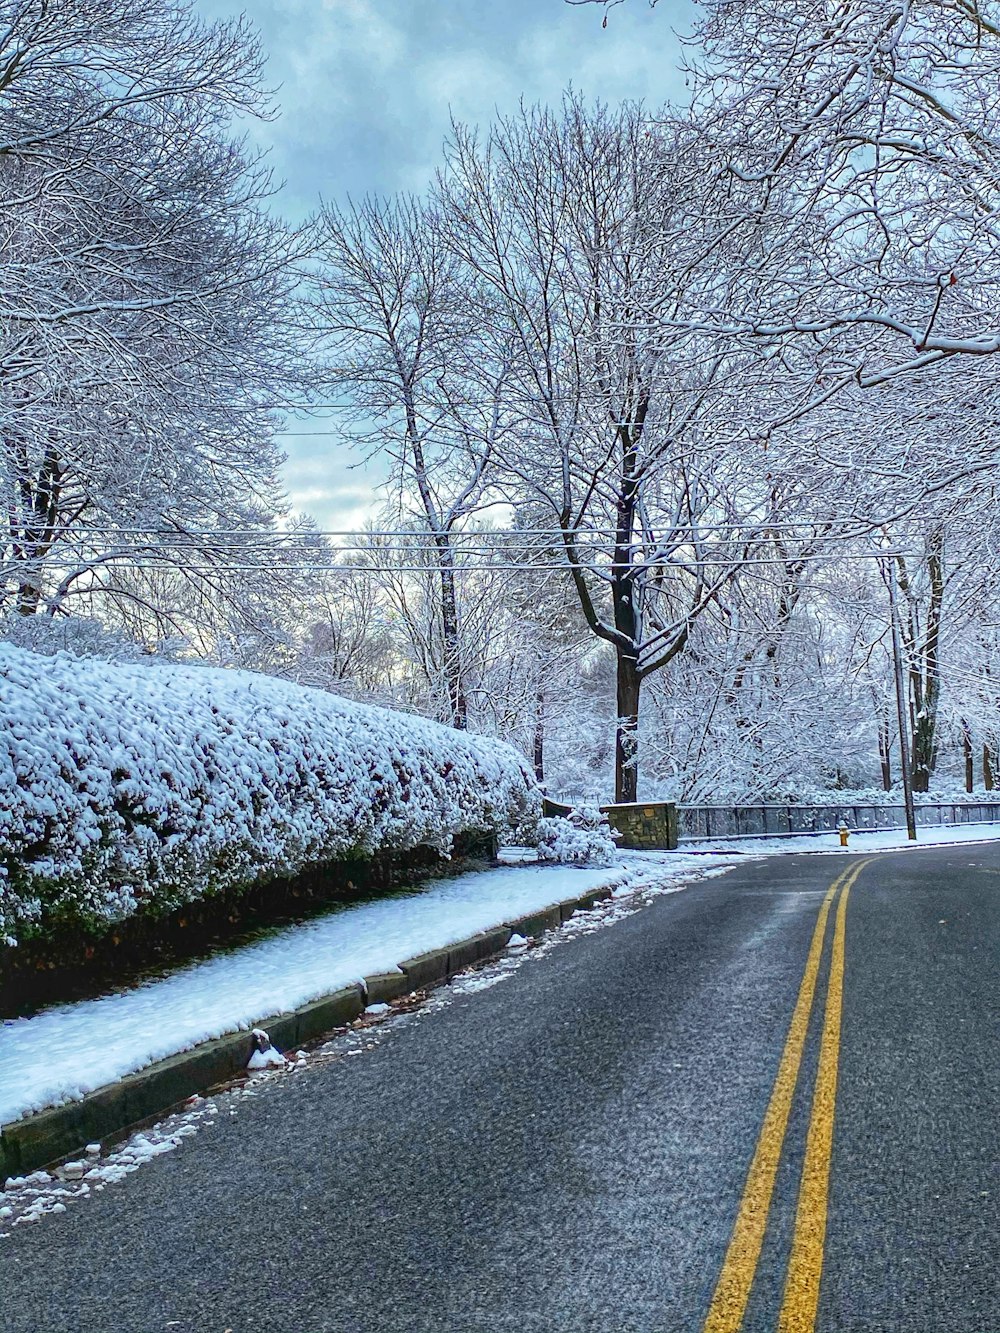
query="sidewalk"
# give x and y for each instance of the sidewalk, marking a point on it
(63, 1053)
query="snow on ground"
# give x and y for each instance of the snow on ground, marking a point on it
(640, 877)
(64, 1052)
(127, 789)
(30, 1199)
(27, 1199)
(859, 841)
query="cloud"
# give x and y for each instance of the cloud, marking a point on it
(328, 59)
(633, 60)
(368, 86)
(367, 91)
(468, 84)
(326, 480)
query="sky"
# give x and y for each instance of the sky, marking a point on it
(366, 90)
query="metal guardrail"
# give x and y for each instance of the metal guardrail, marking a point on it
(697, 822)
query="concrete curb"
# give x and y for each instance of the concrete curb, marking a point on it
(49, 1136)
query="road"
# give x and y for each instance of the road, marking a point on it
(753, 1105)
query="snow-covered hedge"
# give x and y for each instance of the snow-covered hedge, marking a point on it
(128, 789)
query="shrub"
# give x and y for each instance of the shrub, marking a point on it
(584, 837)
(131, 789)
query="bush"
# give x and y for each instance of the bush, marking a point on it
(583, 838)
(129, 789)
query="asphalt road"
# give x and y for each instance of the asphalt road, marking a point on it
(598, 1143)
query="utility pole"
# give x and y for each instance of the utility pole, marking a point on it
(889, 575)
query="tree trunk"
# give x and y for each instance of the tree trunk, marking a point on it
(924, 752)
(967, 755)
(989, 768)
(441, 536)
(627, 731)
(539, 746)
(450, 635)
(32, 524)
(28, 597)
(884, 752)
(924, 652)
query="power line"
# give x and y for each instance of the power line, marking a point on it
(437, 409)
(763, 528)
(156, 562)
(637, 554)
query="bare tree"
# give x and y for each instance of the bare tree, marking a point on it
(426, 387)
(864, 137)
(147, 318)
(551, 213)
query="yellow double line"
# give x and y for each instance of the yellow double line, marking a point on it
(805, 1266)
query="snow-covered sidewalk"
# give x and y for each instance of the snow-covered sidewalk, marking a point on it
(65, 1052)
(887, 840)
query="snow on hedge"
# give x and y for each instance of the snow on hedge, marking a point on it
(127, 788)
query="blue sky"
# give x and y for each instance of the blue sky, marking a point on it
(367, 88)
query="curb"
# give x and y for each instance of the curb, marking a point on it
(53, 1135)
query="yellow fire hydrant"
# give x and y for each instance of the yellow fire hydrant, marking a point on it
(845, 833)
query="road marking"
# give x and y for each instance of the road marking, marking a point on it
(725, 1314)
(805, 1266)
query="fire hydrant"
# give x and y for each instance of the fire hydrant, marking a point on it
(845, 833)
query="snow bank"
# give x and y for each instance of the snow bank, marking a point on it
(128, 789)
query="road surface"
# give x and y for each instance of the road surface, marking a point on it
(768, 1102)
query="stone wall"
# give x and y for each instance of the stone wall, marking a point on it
(645, 826)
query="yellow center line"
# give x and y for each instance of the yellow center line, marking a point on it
(805, 1266)
(725, 1314)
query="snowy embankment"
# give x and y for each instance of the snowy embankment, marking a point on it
(887, 840)
(136, 789)
(63, 1053)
